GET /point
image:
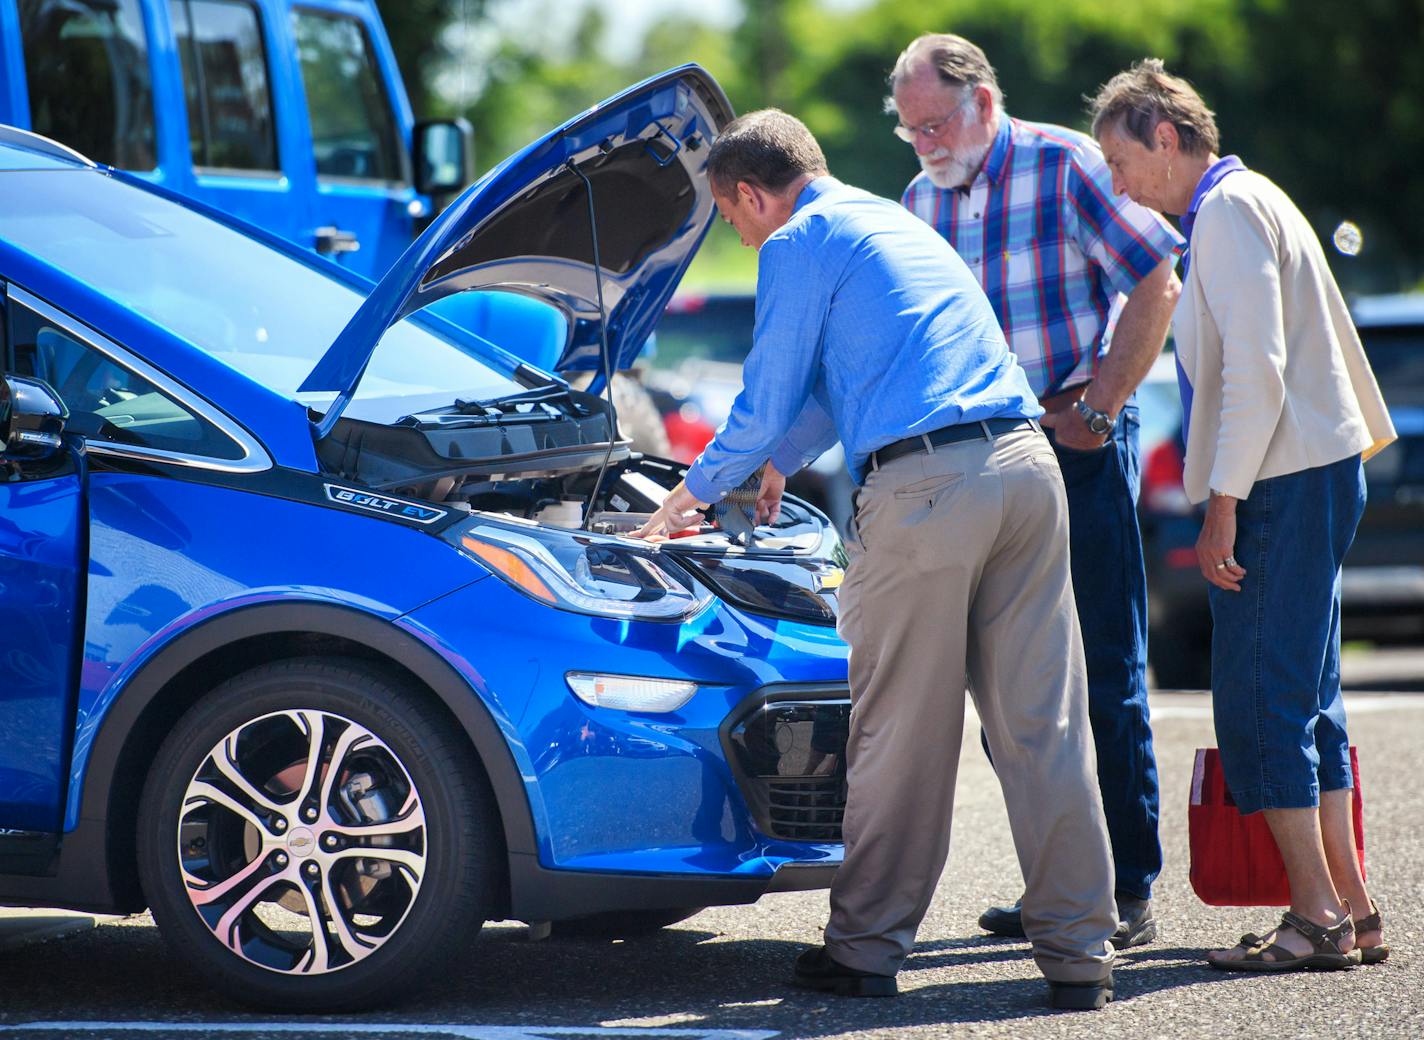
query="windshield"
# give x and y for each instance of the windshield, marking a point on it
(264, 314)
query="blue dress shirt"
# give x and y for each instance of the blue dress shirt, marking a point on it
(869, 328)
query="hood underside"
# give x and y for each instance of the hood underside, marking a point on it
(526, 227)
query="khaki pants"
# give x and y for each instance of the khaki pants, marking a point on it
(960, 571)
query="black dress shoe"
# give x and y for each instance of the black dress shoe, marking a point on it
(817, 969)
(1003, 920)
(1136, 925)
(1080, 996)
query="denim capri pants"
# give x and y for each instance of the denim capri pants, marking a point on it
(1275, 645)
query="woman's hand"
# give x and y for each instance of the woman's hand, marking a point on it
(1217, 543)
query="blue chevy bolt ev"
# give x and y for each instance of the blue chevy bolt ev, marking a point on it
(318, 634)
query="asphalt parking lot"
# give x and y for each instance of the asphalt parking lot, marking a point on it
(722, 974)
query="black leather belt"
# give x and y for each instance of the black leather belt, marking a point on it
(987, 430)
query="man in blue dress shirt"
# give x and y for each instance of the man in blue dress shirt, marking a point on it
(959, 567)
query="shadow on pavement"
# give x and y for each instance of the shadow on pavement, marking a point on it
(683, 977)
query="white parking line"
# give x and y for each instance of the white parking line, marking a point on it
(426, 1029)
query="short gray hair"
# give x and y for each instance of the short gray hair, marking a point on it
(767, 148)
(1145, 95)
(959, 64)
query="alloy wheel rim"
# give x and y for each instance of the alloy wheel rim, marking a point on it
(302, 842)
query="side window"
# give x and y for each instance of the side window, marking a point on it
(353, 130)
(86, 67)
(107, 402)
(225, 81)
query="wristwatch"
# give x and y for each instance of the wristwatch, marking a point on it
(1098, 422)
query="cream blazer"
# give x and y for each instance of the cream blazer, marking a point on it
(1279, 379)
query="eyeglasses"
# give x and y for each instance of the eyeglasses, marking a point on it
(935, 129)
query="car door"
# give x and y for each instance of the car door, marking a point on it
(365, 205)
(42, 567)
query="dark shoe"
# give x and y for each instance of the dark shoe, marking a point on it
(1136, 925)
(1080, 996)
(817, 969)
(1003, 920)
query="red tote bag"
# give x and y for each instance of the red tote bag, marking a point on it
(1235, 861)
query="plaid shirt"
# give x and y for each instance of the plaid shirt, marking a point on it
(1050, 243)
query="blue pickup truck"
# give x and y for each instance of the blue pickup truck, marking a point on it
(287, 114)
(291, 116)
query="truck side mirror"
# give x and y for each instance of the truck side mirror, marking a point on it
(31, 419)
(444, 155)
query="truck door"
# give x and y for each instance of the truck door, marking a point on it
(42, 569)
(365, 205)
(238, 160)
(87, 81)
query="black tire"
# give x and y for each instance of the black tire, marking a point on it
(621, 924)
(413, 799)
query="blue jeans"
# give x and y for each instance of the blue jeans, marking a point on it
(1275, 645)
(1110, 587)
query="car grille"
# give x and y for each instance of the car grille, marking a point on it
(807, 810)
(787, 751)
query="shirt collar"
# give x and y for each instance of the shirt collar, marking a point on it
(1214, 175)
(998, 158)
(813, 190)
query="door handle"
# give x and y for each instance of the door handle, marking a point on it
(331, 240)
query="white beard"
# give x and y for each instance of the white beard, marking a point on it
(960, 168)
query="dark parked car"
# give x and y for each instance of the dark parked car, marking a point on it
(1382, 587)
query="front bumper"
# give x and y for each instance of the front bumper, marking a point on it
(642, 810)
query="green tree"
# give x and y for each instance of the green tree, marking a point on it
(1330, 104)
(420, 35)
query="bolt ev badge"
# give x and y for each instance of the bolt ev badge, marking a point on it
(399, 507)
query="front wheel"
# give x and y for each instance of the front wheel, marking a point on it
(313, 837)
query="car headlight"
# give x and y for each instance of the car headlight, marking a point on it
(587, 573)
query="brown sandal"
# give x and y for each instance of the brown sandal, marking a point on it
(1372, 954)
(1325, 955)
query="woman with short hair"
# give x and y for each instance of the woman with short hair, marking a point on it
(1279, 409)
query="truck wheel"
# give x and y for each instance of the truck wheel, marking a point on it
(312, 837)
(622, 924)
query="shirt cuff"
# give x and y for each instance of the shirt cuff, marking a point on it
(1237, 485)
(702, 489)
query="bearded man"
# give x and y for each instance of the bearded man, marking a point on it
(1030, 208)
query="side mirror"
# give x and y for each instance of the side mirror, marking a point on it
(31, 419)
(444, 155)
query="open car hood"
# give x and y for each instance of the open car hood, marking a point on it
(524, 227)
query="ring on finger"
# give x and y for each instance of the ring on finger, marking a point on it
(1230, 562)
(1221, 566)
